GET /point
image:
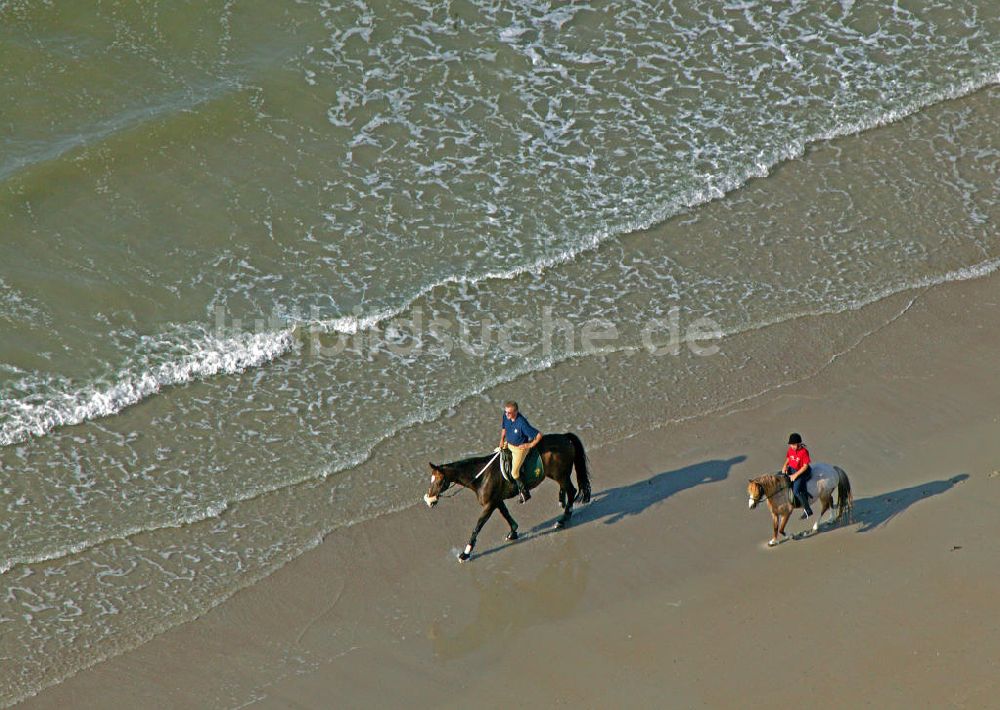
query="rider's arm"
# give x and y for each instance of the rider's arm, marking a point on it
(534, 442)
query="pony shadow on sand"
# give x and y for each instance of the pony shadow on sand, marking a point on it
(877, 511)
(615, 504)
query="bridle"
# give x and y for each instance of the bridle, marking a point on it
(786, 485)
(448, 482)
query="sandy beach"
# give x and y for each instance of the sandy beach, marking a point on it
(662, 590)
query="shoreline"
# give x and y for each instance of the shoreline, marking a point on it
(661, 579)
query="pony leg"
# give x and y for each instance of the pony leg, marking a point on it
(784, 522)
(826, 504)
(774, 530)
(512, 535)
(484, 516)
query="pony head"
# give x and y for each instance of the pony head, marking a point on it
(755, 493)
(439, 484)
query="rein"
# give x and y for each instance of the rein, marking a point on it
(460, 487)
(487, 465)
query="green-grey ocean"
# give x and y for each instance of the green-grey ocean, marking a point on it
(260, 261)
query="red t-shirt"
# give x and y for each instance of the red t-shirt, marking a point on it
(797, 458)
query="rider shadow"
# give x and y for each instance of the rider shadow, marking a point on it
(877, 511)
(614, 504)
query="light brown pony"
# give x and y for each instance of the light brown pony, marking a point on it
(776, 489)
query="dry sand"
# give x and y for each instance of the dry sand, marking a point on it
(662, 591)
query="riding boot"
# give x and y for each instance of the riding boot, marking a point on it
(523, 490)
(804, 500)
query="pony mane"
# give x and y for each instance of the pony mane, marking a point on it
(769, 482)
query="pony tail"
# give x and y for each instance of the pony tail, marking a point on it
(580, 463)
(845, 499)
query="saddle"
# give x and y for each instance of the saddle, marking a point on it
(531, 467)
(787, 491)
(792, 500)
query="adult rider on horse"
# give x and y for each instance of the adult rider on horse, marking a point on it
(521, 437)
(797, 469)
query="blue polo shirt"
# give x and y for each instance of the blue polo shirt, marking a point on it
(518, 431)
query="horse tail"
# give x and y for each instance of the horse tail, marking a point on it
(580, 463)
(845, 499)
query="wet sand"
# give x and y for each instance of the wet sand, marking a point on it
(662, 590)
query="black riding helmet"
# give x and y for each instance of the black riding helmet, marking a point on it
(794, 439)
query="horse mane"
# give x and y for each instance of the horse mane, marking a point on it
(471, 461)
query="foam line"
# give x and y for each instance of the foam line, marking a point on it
(209, 357)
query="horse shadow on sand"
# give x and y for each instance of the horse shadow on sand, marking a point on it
(615, 504)
(876, 511)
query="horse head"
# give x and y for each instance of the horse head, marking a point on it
(439, 484)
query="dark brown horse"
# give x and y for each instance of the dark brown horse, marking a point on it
(559, 452)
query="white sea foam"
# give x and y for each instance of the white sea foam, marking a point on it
(205, 358)
(714, 187)
(9, 563)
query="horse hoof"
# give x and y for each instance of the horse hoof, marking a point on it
(559, 525)
(512, 535)
(463, 556)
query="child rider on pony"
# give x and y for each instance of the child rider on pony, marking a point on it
(797, 469)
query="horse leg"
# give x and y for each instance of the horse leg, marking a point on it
(512, 535)
(774, 532)
(483, 517)
(567, 493)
